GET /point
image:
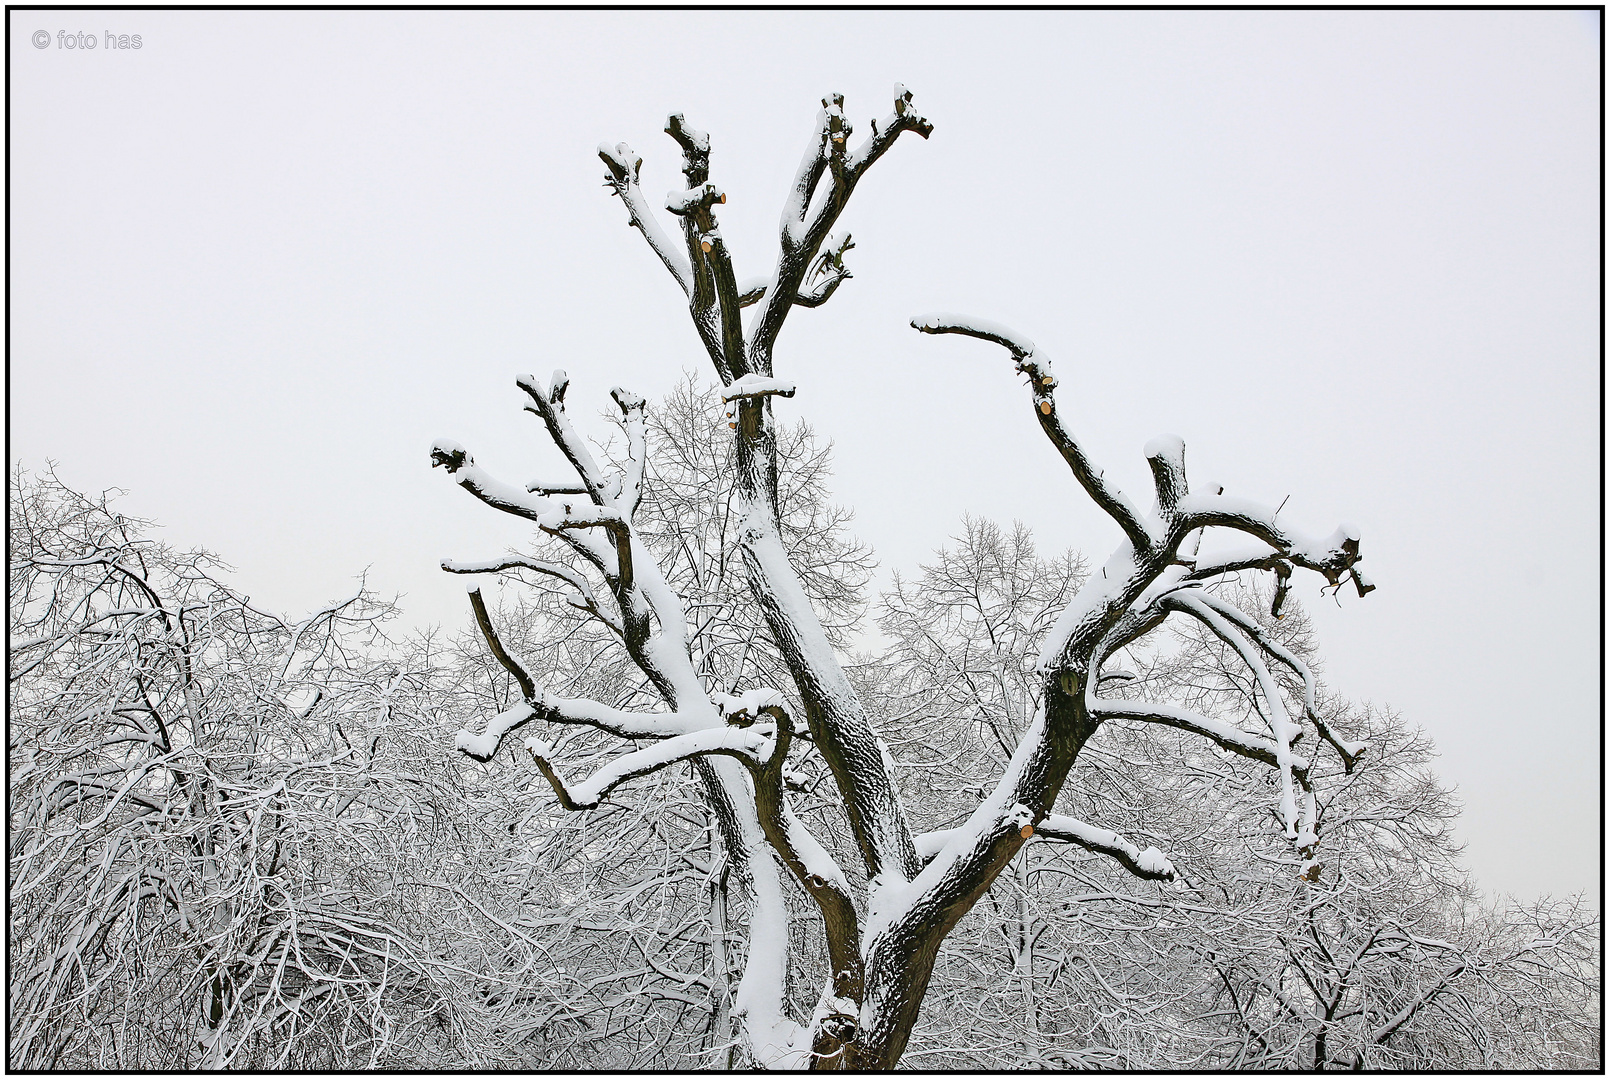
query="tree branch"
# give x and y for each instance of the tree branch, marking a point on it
(804, 856)
(528, 686)
(714, 302)
(1280, 725)
(746, 744)
(588, 599)
(1226, 735)
(623, 167)
(1349, 752)
(1041, 384)
(632, 409)
(801, 238)
(1331, 557)
(1149, 864)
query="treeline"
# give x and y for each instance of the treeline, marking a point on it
(244, 841)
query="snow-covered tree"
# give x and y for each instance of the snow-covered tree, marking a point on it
(227, 830)
(883, 921)
(622, 922)
(1380, 958)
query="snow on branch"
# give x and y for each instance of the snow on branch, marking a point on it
(904, 118)
(555, 487)
(754, 386)
(805, 857)
(1349, 752)
(559, 517)
(695, 146)
(1041, 384)
(803, 232)
(1166, 456)
(1149, 864)
(1021, 348)
(632, 407)
(549, 404)
(1333, 557)
(693, 200)
(1226, 735)
(624, 166)
(495, 493)
(752, 745)
(713, 298)
(1274, 711)
(827, 272)
(482, 747)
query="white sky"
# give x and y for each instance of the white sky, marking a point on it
(260, 264)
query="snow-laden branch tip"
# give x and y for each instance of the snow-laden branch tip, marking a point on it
(624, 165)
(1150, 863)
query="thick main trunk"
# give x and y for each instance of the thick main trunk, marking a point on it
(901, 960)
(833, 713)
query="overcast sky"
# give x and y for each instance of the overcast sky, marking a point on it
(261, 263)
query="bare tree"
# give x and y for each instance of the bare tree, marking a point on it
(222, 824)
(1379, 957)
(622, 928)
(881, 942)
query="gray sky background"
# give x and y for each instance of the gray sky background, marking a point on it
(260, 264)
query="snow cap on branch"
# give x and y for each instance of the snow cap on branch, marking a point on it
(747, 706)
(622, 161)
(703, 197)
(481, 747)
(450, 454)
(626, 399)
(689, 138)
(756, 386)
(1036, 368)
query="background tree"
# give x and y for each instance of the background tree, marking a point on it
(881, 943)
(221, 822)
(1383, 959)
(613, 938)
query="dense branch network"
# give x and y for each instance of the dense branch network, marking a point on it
(881, 948)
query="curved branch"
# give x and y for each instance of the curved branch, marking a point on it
(1349, 752)
(478, 482)
(1041, 384)
(1225, 735)
(519, 562)
(806, 858)
(1149, 864)
(744, 744)
(1331, 557)
(1280, 725)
